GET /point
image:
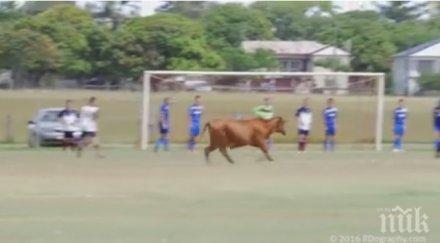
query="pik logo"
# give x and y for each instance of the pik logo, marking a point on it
(399, 220)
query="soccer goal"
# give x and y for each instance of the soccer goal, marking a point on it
(359, 97)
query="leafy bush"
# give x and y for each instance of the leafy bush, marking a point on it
(430, 81)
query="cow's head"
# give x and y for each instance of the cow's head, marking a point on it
(278, 125)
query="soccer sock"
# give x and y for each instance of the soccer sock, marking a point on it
(191, 144)
(166, 143)
(437, 144)
(157, 145)
(332, 145)
(395, 143)
(326, 145)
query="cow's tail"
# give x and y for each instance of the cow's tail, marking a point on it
(207, 125)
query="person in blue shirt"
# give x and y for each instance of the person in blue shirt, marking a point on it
(164, 125)
(330, 113)
(194, 119)
(436, 116)
(400, 116)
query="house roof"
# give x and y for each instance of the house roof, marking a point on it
(431, 48)
(294, 48)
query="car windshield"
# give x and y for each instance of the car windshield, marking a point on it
(49, 116)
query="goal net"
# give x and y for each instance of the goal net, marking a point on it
(359, 98)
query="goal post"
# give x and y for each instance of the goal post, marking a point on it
(145, 113)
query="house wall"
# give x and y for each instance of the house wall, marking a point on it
(306, 64)
(343, 59)
(399, 76)
(435, 61)
(407, 71)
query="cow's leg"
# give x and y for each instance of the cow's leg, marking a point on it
(208, 150)
(263, 146)
(225, 153)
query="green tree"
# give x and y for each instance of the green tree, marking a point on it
(29, 54)
(190, 9)
(230, 24)
(70, 28)
(410, 33)
(9, 13)
(113, 13)
(36, 7)
(292, 20)
(372, 45)
(162, 41)
(430, 81)
(399, 11)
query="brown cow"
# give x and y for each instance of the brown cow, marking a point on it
(229, 133)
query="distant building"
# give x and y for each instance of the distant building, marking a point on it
(410, 64)
(298, 56)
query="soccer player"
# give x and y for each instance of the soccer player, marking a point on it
(89, 125)
(164, 125)
(330, 114)
(400, 115)
(194, 119)
(265, 112)
(436, 116)
(68, 118)
(304, 119)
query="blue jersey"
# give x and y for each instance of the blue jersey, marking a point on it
(400, 115)
(330, 114)
(437, 117)
(165, 113)
(195, 115)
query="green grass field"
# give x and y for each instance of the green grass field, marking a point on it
(120, 113)
(48, 195)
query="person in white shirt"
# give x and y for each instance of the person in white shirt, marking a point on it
(68, 118)
(89, 126)
(304, 118)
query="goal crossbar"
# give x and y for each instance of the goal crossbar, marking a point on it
(145, 108)
(229, 73)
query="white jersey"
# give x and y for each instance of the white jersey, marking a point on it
(88, 118)
(305, 118)
(69, 118)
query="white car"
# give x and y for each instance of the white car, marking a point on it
(46, 129)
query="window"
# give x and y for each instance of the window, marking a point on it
(295, 65)
(425, 66)
(292, 65)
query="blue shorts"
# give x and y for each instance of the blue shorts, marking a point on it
(163, 129)
(194, 131)
(437, 128)
(330, 131)
(399, 130)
